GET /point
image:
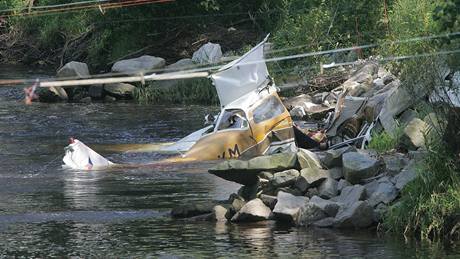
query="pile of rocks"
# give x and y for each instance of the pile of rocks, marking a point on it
(207, 54)
(344, 188)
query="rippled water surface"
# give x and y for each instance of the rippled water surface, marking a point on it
(48, 211)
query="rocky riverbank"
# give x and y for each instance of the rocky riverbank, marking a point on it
(341, 182)
(207, 54)
(344, 188)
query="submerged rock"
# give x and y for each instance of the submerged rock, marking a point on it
(289, 207)
(357, 167)
(325, 223)
(191, 210)
(254, 210)
(219, 213)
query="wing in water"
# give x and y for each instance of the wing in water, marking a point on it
(81, 157)
(184, 144)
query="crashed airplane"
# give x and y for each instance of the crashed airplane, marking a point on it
(252, 122)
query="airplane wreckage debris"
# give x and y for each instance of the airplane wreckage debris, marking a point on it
(303, 159)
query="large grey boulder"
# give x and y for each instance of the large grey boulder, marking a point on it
(237, 171)
(357, 167)
(385, 193)
(71, 70)
(406, 176)
(333, 158)
(312, 176)
(120, 90)
(358, 215)
(74, 70)
(254, 210)
(414, 132)
(181, 64)
(307, 159)
(328, 188)
(289, 207)
(275, 162)
(351, 194)
(284, 178)
(329, 207)
(311, 213)
(138, 65)
(207, 54)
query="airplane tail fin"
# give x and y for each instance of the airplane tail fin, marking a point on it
(81, 157)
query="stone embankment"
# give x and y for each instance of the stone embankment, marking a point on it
(344, 188)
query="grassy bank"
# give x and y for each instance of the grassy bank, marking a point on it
(190, 91)
(430, 205)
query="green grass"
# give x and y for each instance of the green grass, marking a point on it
(190, 91)
(383, 142)
(430, 205)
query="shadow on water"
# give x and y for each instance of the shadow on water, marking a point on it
(47, 211)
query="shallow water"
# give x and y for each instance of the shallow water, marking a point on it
(48, 211)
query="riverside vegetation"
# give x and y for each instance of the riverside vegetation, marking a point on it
(429, 206)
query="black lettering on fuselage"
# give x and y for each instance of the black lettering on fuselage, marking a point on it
(235, 152)
(232, 153)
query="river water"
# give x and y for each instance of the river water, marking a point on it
(48, 211)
